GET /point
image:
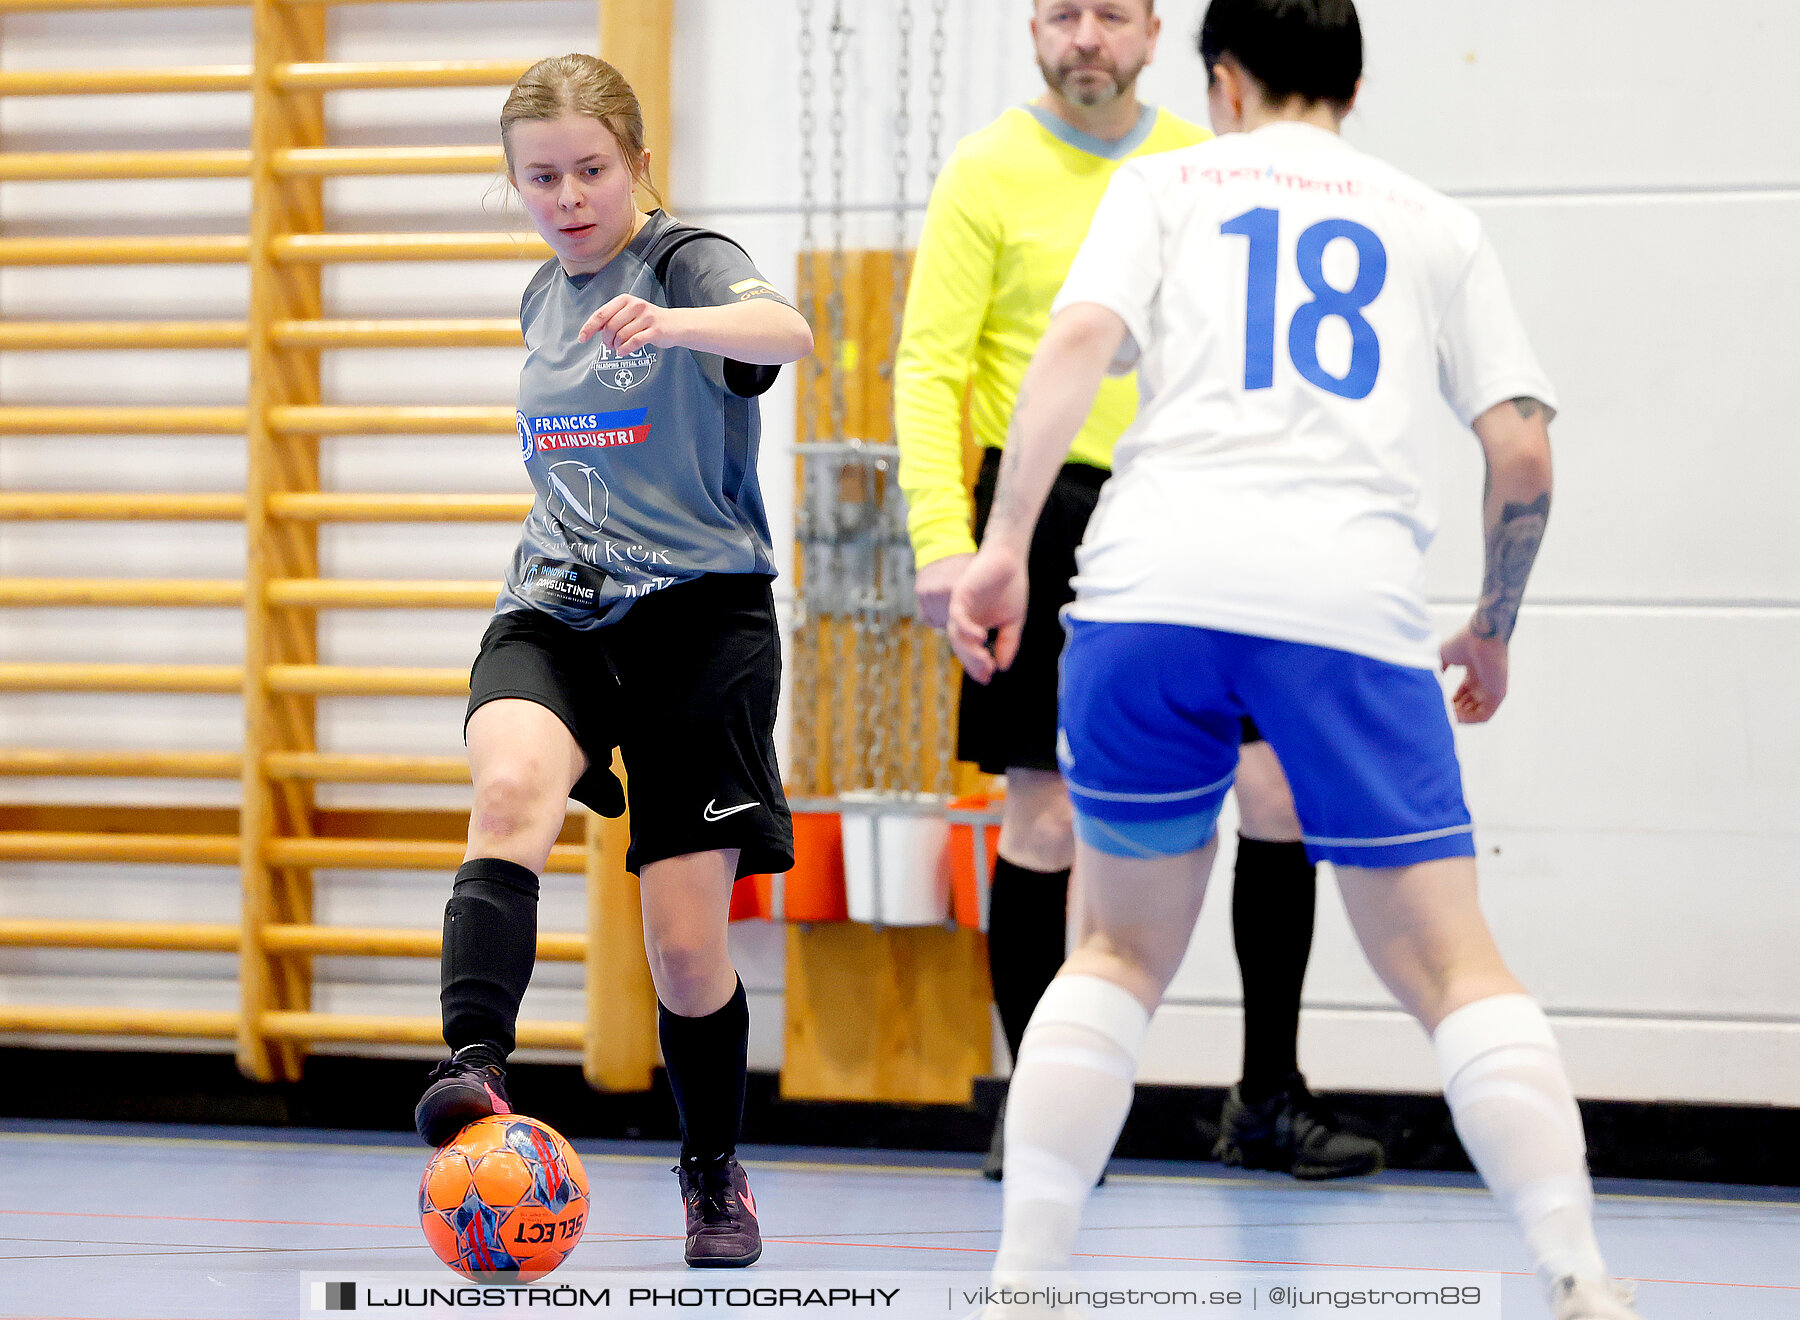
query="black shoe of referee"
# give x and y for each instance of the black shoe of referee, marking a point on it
(1292, 1132)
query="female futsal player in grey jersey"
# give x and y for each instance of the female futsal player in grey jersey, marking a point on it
(636, 614)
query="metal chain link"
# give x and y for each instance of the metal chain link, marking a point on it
(906, 762)
(861, 769)
(943, 682)
(909, 694)
(902, 169)
(881, 686)
(806, 739)
(809, 206)
(939, 663)
(840, 39)
(856, 770)
(851, 517)
(934, 120)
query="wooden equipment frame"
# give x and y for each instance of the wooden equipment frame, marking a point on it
(924, 1031)
(280, 835)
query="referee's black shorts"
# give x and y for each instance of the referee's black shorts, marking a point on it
(1012, 720)
(685, 686)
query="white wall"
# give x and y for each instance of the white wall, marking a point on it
(1632, 797)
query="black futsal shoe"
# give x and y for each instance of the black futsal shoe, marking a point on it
(470, 1084)
(1291, 1132)
(722, 1232)
(993, 1164)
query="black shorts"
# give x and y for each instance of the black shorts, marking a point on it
(685, 686)
(1012, 720)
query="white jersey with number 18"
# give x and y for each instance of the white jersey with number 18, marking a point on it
(1292, 306)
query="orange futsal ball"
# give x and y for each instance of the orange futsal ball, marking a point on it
(505, 1201)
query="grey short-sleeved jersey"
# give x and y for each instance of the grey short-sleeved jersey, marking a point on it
(645, 465)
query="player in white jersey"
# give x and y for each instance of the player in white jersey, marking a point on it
(1292, 306)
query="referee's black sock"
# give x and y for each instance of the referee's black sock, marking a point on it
(1028, 919)
(1272, 899)
(490, 946)
(707, 1058)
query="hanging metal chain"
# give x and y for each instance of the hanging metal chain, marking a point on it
(902, 169)
(862, 765)
(855, 482)
(937, 664)
(806, 740)
(934, 119)
(898, 737)
(872, 690)
(903, 604)
(943, 671)
(840, 40)
(876, 717)
(809, 207)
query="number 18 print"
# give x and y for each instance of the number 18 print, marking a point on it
(1262, 227)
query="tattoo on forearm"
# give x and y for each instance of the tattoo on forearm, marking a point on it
(1528, 407)
(1512, 546)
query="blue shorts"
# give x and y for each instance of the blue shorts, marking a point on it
(1149, 743)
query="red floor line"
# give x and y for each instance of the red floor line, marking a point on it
(1293, 1264)
(884, 1246)
(1715, 1283)
(189, 1219)
(1429, 1269)
(286, 1223)
(896, 1246)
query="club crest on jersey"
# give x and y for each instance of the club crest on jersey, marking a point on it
(575, 495)
(523, 423)
(622, 373)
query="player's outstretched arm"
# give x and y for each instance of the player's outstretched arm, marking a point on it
(1515, 438)
(762, 331)
(1054, 401)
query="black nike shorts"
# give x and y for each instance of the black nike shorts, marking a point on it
(685, 686)
(1011, 721)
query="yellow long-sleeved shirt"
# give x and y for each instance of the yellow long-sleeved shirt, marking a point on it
(1005, 220)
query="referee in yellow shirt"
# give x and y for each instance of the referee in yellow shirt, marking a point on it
(1006, 218)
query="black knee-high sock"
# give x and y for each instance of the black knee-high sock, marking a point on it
(1028, 920)
(490, 946)
(706, 1058)
(1272, 900)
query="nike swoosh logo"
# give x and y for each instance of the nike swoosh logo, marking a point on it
(712, 811)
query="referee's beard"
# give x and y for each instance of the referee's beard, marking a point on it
(1090, 93)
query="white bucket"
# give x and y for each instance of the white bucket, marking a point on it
(894, 870)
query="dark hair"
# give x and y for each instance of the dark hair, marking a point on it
(1306, 48)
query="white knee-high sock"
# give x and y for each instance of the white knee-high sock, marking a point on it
(1513, 1109)
(1071, 1090)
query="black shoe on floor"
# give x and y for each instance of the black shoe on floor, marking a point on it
(1291, 1132)
(722, 1231)
(470, 1084)
(993, 1165)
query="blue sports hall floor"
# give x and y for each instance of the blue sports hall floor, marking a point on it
(123, 1220)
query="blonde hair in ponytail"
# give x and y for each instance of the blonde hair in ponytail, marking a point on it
(581, 85)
